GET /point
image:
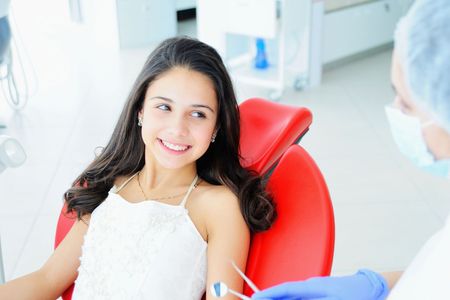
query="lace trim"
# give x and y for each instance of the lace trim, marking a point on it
(133, 250)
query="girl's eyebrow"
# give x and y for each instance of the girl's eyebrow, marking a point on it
(171, 101)
(204, 106)
(161, 97)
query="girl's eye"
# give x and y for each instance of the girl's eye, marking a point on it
(199, 114)
(163, 107)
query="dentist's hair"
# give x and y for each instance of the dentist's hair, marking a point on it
(422, 42)
(220, 165)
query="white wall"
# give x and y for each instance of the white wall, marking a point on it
(361, 27)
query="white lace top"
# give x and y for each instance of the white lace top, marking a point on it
(144, 250)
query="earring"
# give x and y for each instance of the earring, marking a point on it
(213, 138)
(140, 121)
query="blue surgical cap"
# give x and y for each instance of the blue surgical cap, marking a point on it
(422, 42)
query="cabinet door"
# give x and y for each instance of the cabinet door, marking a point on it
(185, 4)
(251, 17)
(145, 22)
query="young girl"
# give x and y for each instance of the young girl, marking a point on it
(166, 206)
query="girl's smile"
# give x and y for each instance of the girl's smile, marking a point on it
(174, 148)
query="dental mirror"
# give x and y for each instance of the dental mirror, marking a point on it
(220, 289)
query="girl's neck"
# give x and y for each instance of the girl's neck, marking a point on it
(155, 178)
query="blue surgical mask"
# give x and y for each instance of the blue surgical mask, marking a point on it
(407, 133)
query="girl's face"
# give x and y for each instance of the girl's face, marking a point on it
(179, 117)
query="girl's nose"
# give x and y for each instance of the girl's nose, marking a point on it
(179, 126)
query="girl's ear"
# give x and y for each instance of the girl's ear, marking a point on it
(214, 135)
(140, 113)
(140, 117)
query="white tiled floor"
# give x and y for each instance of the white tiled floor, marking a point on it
(385, 208)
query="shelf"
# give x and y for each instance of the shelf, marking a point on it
(247, 73)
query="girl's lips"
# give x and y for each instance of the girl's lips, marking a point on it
(174, 148)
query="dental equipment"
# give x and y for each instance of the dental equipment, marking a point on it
(220, 289)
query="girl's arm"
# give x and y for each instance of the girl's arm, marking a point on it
(56, 275)
(228, 239)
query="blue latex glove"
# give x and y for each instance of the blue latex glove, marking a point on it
(364, 285)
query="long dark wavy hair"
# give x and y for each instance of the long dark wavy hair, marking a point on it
(124, 153)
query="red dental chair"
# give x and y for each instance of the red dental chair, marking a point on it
(267, 131)
(300, 243)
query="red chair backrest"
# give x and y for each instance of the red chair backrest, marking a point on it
(267, 130)
(65, 223)
(300, 243)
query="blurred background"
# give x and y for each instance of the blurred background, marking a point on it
(71, 65)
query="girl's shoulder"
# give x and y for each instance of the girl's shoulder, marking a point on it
(212, 208)
(218, 209)
(212, 195)
(216, 201)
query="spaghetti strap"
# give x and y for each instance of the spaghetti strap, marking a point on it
(125, 183)
(191, 187)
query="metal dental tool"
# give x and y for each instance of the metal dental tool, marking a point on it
(220, 289)
(246, 279)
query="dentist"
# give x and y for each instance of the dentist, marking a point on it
(420, 122)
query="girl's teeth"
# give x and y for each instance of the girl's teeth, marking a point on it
(174, 147)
